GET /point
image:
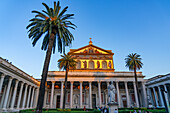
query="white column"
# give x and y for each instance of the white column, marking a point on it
(99, 91)
(1, 81)
(14, 94)
(29, 94)
(118, 95)
(160, 94)
(71, 94)
(52, 94)
(136, 96)
(61, 95)
(150, 94)
(3, 96)
(7, 93)
(90, 95)
(81, 94)
(166, 97)
(36, 97)
(144, 94)
(127, 94)
(9, 97)
(45, 98)
(155, 97)
(31, 105)
(25, 94)
(20, 93)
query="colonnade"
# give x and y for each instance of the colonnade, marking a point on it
(98, 92)
(17, 94)
(156, 95)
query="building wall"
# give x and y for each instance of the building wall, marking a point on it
(18, 90)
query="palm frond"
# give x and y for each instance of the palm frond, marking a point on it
(66, 59)
(51, 21)
(133, 61)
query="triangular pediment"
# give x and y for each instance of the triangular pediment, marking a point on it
(90, 49)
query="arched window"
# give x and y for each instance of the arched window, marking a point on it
(78, 66)
(104, 65)
(91, 65)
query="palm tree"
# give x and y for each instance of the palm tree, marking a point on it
(133, 62)
(65, 63)
(52, 24)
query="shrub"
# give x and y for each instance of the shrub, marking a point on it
(136, 108)
(143, 108)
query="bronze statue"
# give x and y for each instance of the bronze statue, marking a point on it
(110, 64)
(98, 64)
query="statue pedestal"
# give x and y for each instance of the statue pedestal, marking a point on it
(113, 107)
(150, 105)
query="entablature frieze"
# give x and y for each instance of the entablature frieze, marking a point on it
(93, 74)
(165, 79)
(92, 79)
(107, 81)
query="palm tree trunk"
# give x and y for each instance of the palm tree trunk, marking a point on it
(65, 85)
(44, 75)
(136, 82)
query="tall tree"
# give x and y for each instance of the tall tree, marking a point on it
(65, 63)
(52, 24)
(133, 62)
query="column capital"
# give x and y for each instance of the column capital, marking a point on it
(36, 88)
(126, 82)
(71, 82)
(26, 84)
(22, 83)
(155, 87)
(134, 82)
(16, 81)
(30, 87)
(10, 78)
(53, 82)
(108, 81)
(159, 86)
(98, 81)
(2, 75)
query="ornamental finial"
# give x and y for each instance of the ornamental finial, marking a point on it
(90, 42)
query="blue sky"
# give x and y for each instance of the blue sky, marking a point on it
(123, 26)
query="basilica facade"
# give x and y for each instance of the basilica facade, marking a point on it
(87, 83)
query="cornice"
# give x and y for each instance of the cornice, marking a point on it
(157, 80)
(8, 66)
(94, 74)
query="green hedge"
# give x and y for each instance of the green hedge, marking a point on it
(59, 111)
(127, 110)
(121, 110)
